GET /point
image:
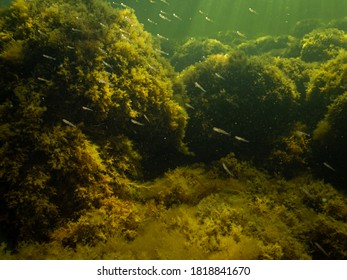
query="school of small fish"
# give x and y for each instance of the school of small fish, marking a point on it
(163, 16)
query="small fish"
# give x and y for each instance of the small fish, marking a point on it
(151, 21)
(221, 131)
(49, 57)
(102, 50)
(165, 2)
(321, 249)
(189, 106)
(76, 30)
(87, 109)
(41, 33)
(70, 47)
(301, 133)
(203, 13)
(329, 166)
(176, 16)
(162, 52)
(227, 169)
(102, 25)
(146, 118)
(238, 138)
(307, 193)
(128, 19)
(164, 17)
(252, 11)
(240, 34)
(125, 38)
(43, 80)
(162, 37)
(219, 76)
(68, 123)
(136, 122)
(164, 13)
(123, 31)
(208, 19)
(152, 68)
(106, 64)
(101, 81)
(197, 85)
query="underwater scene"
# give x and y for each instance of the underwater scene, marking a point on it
(173, 129)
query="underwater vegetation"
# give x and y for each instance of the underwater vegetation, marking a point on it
(244, 96)
(83, 102)
(195, 50)
(202, 212)
(108, 153)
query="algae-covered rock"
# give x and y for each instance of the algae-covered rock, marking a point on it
(201, 212)
(84, 98)
(237, 104)
(196, 49)
(330, 138)
(305, 26)
(275, 46)
(326, 83)
(323, 44)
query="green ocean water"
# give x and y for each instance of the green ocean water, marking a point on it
(251, 17)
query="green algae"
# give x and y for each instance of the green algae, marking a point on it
(90, 110)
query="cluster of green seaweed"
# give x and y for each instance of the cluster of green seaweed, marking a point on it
(85, 100)
(87, 106)
(275, 92)
(201, 212)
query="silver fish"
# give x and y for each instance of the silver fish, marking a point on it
(123, 31)
(106, 64)
(321, 249)
(152, 68)
(238, 138)
(164, 13)
(165, 2)
(43, 80)
(329, 166)
(68, 123)
(241, 34)
(76, 30)
(151, 21)
(301, 133)
(164, 17)
(102, 25)
(176, 16)
(146, 118)
(221, 131)
(199, 86)
(208, 19)
(162, 37)
(162, 52)
(252, 11)
(49, 57)
(136, 122)
(87, 109)
(219, 76)
(227, 169)
(102, 50)
(189, 106)
(41, 33)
